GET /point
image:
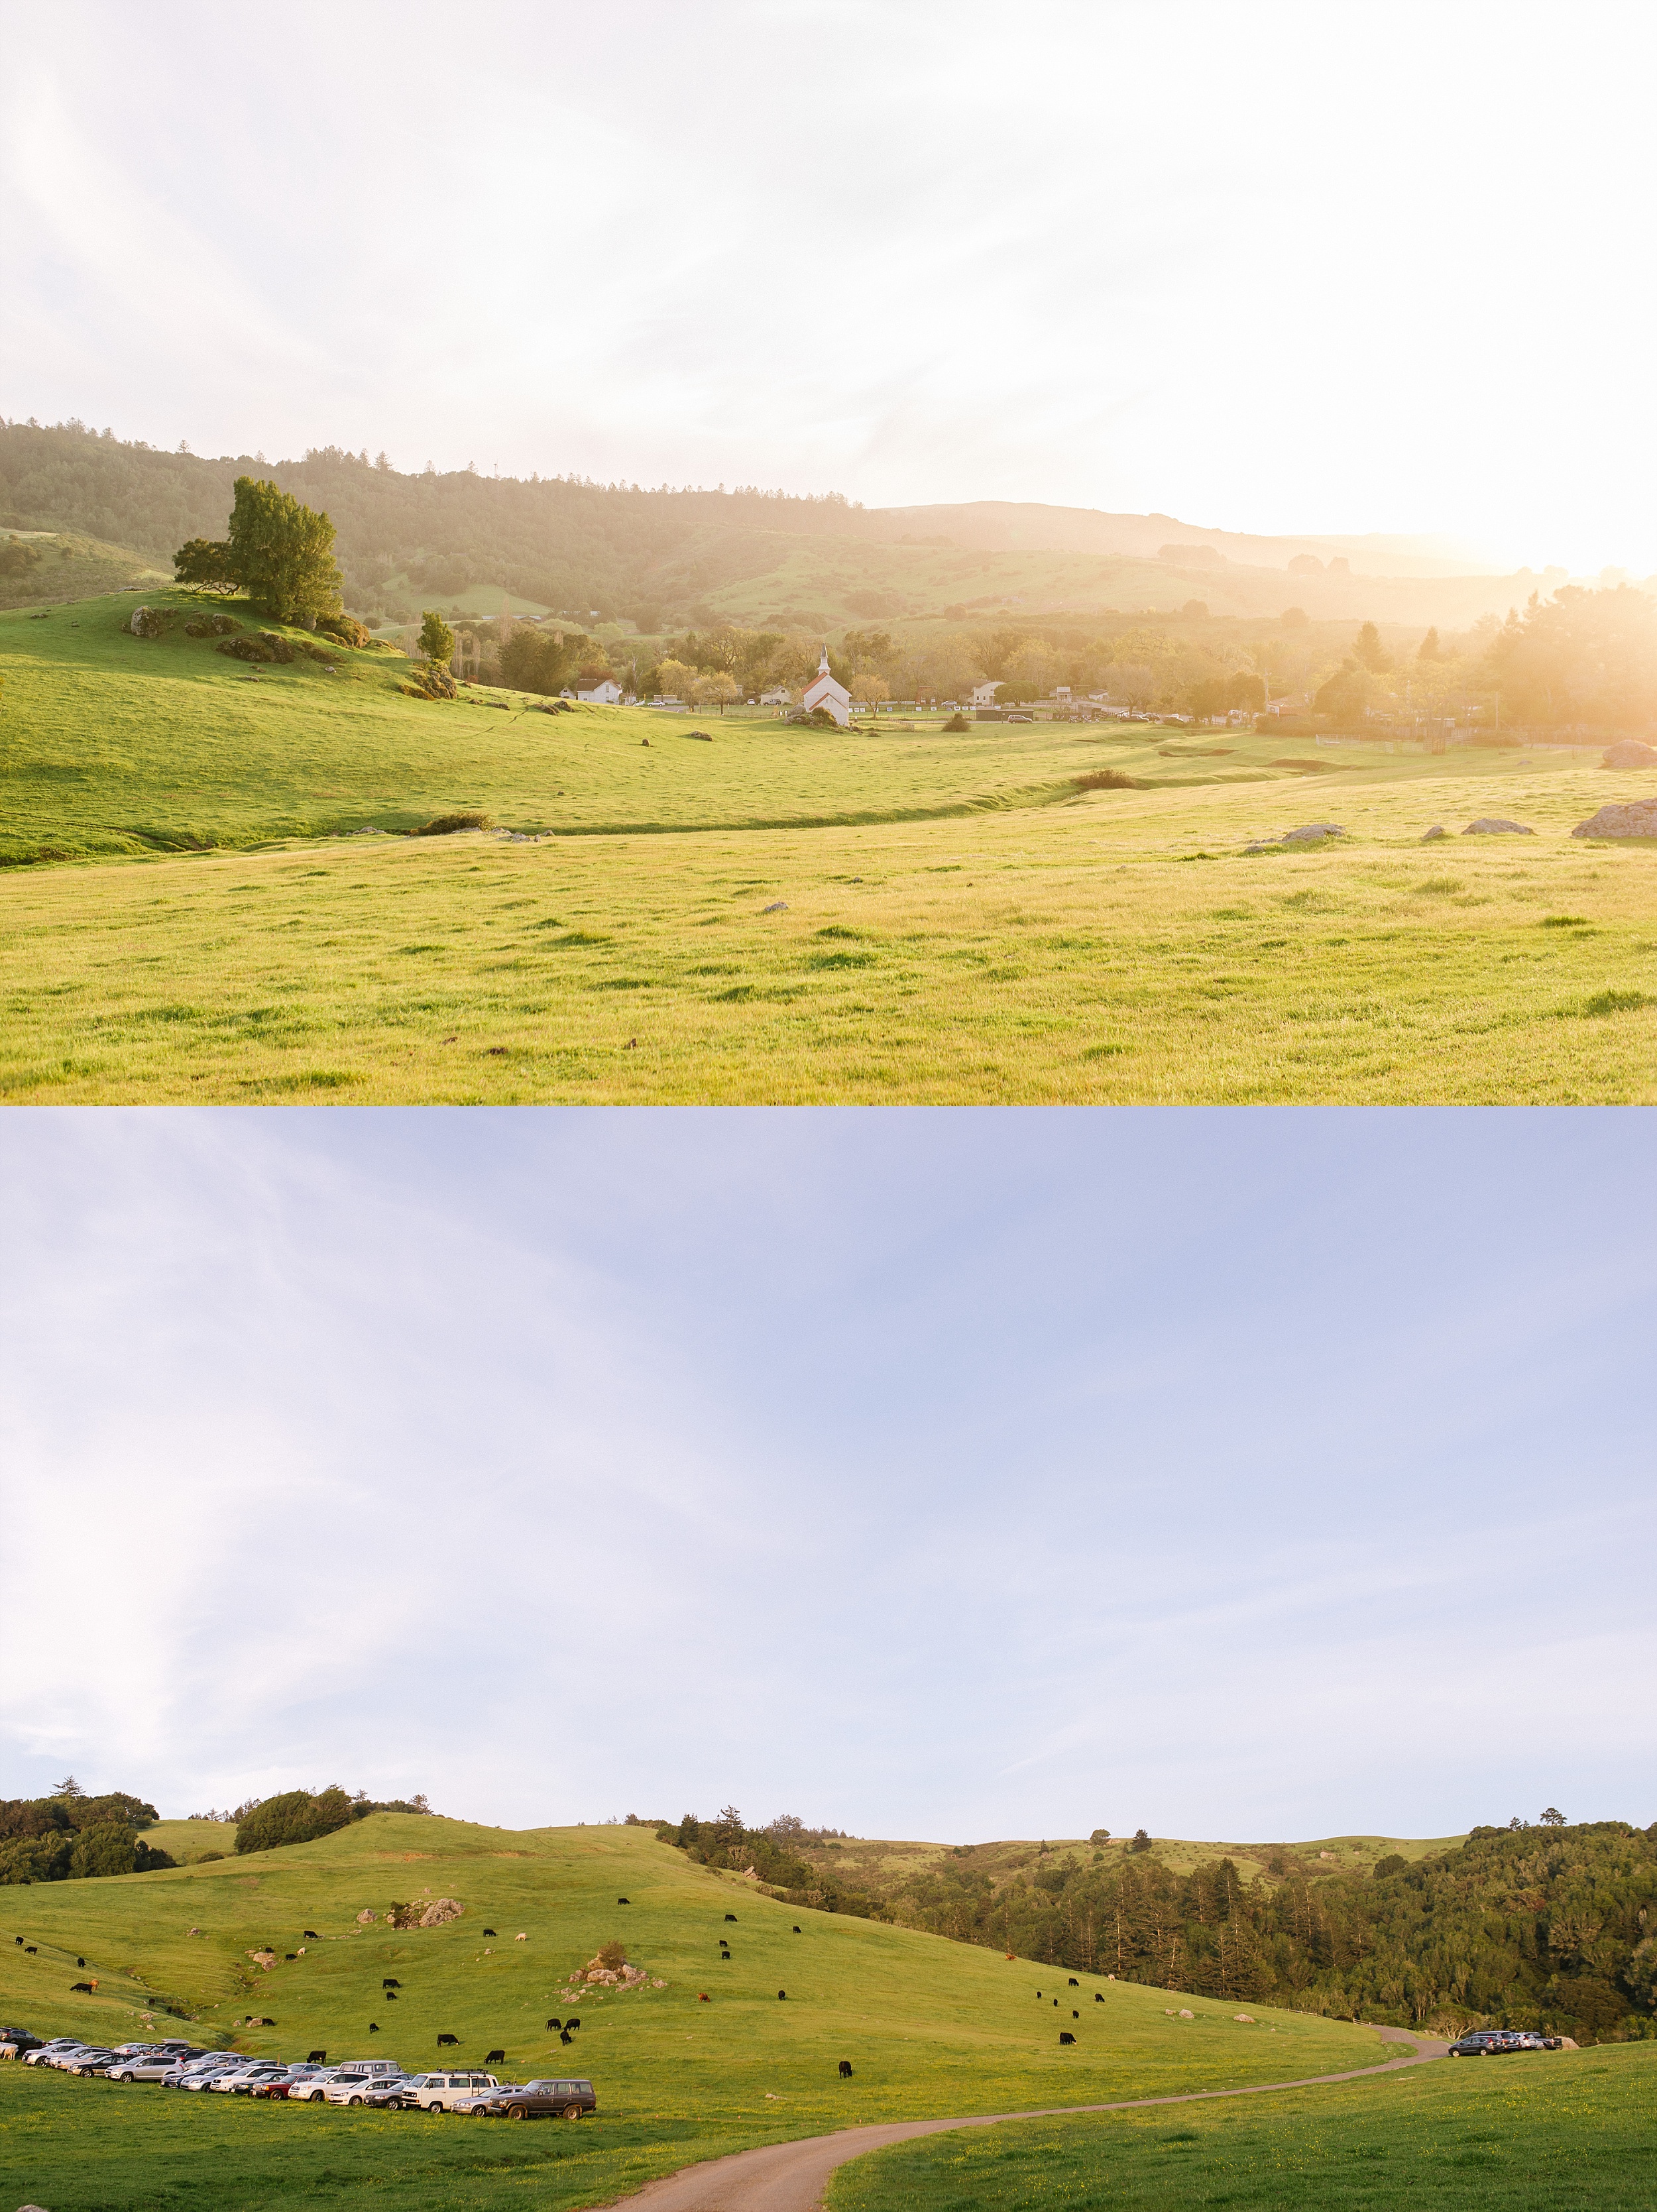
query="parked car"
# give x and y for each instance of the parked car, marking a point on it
(204, 2076)
(239, 2080)
(285, 2084)
(310, 2091)
(396, 2095)
(354, 2088)
(17, 2042)
(154, 2066)
(94, 2060)
(438, 2091)
(476, 2102)
(67, 2061)
(564, 2100)
(44, 2053)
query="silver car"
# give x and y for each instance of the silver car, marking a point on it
(145, 2067)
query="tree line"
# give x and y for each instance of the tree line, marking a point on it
(69, 1835)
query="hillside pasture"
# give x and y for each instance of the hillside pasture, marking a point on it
(931, 2027)
(884, 915)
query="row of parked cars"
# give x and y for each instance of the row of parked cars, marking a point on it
(1491, 2042)
(377, 2083)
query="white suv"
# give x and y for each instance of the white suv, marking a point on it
(441, 2093)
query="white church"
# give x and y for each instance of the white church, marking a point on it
(824, 691)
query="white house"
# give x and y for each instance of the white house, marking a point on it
(606, 694)
(983, 695)
(824, 691)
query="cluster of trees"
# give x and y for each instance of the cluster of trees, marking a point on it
(68, 1836)
(278, 551)
(765, 1854)
(1548, 1927)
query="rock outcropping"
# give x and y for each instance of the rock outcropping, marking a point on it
(1637, 820)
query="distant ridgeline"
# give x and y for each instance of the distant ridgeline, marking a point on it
(1552, 1927)
(69, 1835)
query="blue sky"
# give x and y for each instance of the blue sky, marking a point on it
(959, 1474)
(1281, 266)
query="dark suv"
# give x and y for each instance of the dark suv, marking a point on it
(566, 2100)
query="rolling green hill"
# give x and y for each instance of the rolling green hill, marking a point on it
(1040, 911)
(930, 2026)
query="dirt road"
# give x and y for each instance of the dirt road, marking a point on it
(791, 2177)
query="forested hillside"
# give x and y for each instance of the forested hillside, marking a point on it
(1552, 1926)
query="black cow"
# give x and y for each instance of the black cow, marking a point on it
(1055, 2000)
(493, 2055)
(1075, 2015)
(80, 1962)
(572, 2023)
(796, 1927)
(452, 2039)
(17, 1939)
(310, 1934)
(566, 2037)
(289, 1956)
(489, 1931)
(1065, 2036)
(730, 1916)
(1037, 1992)
(31, 1949)
(374, 2028)
(1075, 1984)
(80, 1989)
(316, 2058)
(555, 2023)
(1098, 1996)
(391, 1982)
(781, 1993)
(846, 2069)
(623, 1901)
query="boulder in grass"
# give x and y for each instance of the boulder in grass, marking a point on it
(1492, 825)
(150, 621)
(1431, 836)
(1637, 820)
(440, 1910)
(1313, 834)
(1630, 752)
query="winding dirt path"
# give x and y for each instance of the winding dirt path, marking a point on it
(791, 2177)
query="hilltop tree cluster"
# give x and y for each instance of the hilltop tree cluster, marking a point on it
(69, 1835)
(726, 1842)
(278, 551)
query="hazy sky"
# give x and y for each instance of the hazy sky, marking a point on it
(947, 1474)
(1267, 266)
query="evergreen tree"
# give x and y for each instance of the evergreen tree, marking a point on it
(284, 553)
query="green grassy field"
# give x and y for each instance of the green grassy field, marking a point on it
(951, 919)
(1551, 2131)
(931, 2027)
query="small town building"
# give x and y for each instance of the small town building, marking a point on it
(606, 693)
(824, 691)
(983, 695)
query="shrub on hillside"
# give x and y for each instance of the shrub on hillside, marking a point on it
(212, 626)
(445, 825)
(1104, 779)
(345, 628)
(264, 644)
(957, 722)
(295, 1817)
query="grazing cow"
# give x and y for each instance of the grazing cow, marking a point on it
(391, 1996)
(80, 1989)
(701, 1997)
(1075, 1984)
(572, 2023)
(1075, 2015)
(781, 1993)
(1098, 1996)
(566, 2037)
(289, 1956)
(374, 2028)
(846, 2069)
(1037, 1992)
(1065, 2036)
(555, 2023)
(80, 1962)
(1055, 2000)
(489, 1931)
(493, 2055)
(623, 1901)
(30, 1949)
(310, 1934)
(451, 2040)
(796, 1927)
(391, 1982)
(316, 2058)
(730, 1916)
